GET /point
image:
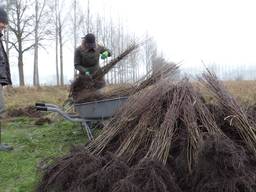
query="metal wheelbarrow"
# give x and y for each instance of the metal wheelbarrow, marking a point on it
(87, 112)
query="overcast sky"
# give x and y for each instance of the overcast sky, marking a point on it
(192, 31)
(215, 31)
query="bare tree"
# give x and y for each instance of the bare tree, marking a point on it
(149, 51)
(78, 19)
(42, 19)
(36, 75)
(60, 21)
(20, 24)
(8, 4)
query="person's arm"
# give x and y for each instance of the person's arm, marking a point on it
(80, 68)
(77, 61)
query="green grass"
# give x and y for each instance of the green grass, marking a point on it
(33, 144)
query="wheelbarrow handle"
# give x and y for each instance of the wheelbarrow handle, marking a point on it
(40, 104)
(41, 108)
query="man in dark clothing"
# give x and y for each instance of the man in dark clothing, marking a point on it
(87, 55)
(5, 76)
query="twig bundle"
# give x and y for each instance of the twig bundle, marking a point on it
(106, 92)
(151, 175)
(233, 112)
(131, 115)
(125, 186)
(222, 166)
(128, 117)
(62, 175)
(163, 72)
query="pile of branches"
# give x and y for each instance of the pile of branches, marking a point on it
(164, 139)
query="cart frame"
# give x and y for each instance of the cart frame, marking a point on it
(87, 112)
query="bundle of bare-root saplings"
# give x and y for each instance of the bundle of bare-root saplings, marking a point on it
(86, 88)
(165, 139)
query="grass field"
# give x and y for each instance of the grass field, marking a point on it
(24, 96)
(34, 145)
(243, 91)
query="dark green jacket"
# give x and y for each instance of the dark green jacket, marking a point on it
(88, 59)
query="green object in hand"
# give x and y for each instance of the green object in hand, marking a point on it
(87, 73)
(104, 55)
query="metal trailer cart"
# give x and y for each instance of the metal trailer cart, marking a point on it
(87, 112)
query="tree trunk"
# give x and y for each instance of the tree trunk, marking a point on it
(88, 16)
(7, 31)
(61, 54)
(57, 57)
(57, 44)
(75, 29)
(21, 72)
(36, 74)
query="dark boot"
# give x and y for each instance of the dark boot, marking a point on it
(5, 147)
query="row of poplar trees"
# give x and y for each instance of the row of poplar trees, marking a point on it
(34, 23)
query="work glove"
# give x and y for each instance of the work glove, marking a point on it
(104, 55)
(87, 73)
